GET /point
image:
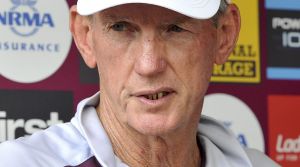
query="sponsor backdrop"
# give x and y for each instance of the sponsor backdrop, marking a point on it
(256, 93)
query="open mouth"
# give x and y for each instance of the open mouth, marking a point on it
(156, 96)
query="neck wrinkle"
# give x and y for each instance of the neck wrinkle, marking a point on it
(137, 150)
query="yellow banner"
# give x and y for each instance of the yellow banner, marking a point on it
(243, 65)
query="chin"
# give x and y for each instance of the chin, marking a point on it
(155, 127)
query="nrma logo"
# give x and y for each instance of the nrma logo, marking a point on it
(24, 19)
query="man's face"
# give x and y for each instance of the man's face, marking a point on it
(154, 64)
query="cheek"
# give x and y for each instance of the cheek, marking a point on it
(195, 67)
(108, 64)
(202, 61)
(107, 54)
(203, 56)
(114, 66)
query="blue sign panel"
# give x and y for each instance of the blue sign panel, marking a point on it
(283, 4)
(283, 39)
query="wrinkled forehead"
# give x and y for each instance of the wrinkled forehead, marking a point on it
(142, 13)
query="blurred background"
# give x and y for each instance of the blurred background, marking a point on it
(256, 93)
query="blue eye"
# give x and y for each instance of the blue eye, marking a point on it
(175, 28)
(120, 26)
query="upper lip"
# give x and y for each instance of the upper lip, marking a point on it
(153, 91)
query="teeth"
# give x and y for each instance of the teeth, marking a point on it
(160, 95)
(156, 96)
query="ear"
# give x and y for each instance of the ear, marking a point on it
(228, 30)
(80, 28)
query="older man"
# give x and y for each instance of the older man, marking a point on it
(155, 60)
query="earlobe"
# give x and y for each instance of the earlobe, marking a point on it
(228, 31)
(80, 28)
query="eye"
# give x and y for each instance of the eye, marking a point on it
(120, 26)
(174, 28)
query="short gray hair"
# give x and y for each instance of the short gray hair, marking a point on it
(221, 11)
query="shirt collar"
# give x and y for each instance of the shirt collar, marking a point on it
(93, 131)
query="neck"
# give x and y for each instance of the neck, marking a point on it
(173, 150)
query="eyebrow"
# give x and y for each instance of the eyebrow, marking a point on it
(182, 20)
(110, 17)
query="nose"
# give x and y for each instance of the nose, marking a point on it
(151, 60)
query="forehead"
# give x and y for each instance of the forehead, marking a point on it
(144, 13)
